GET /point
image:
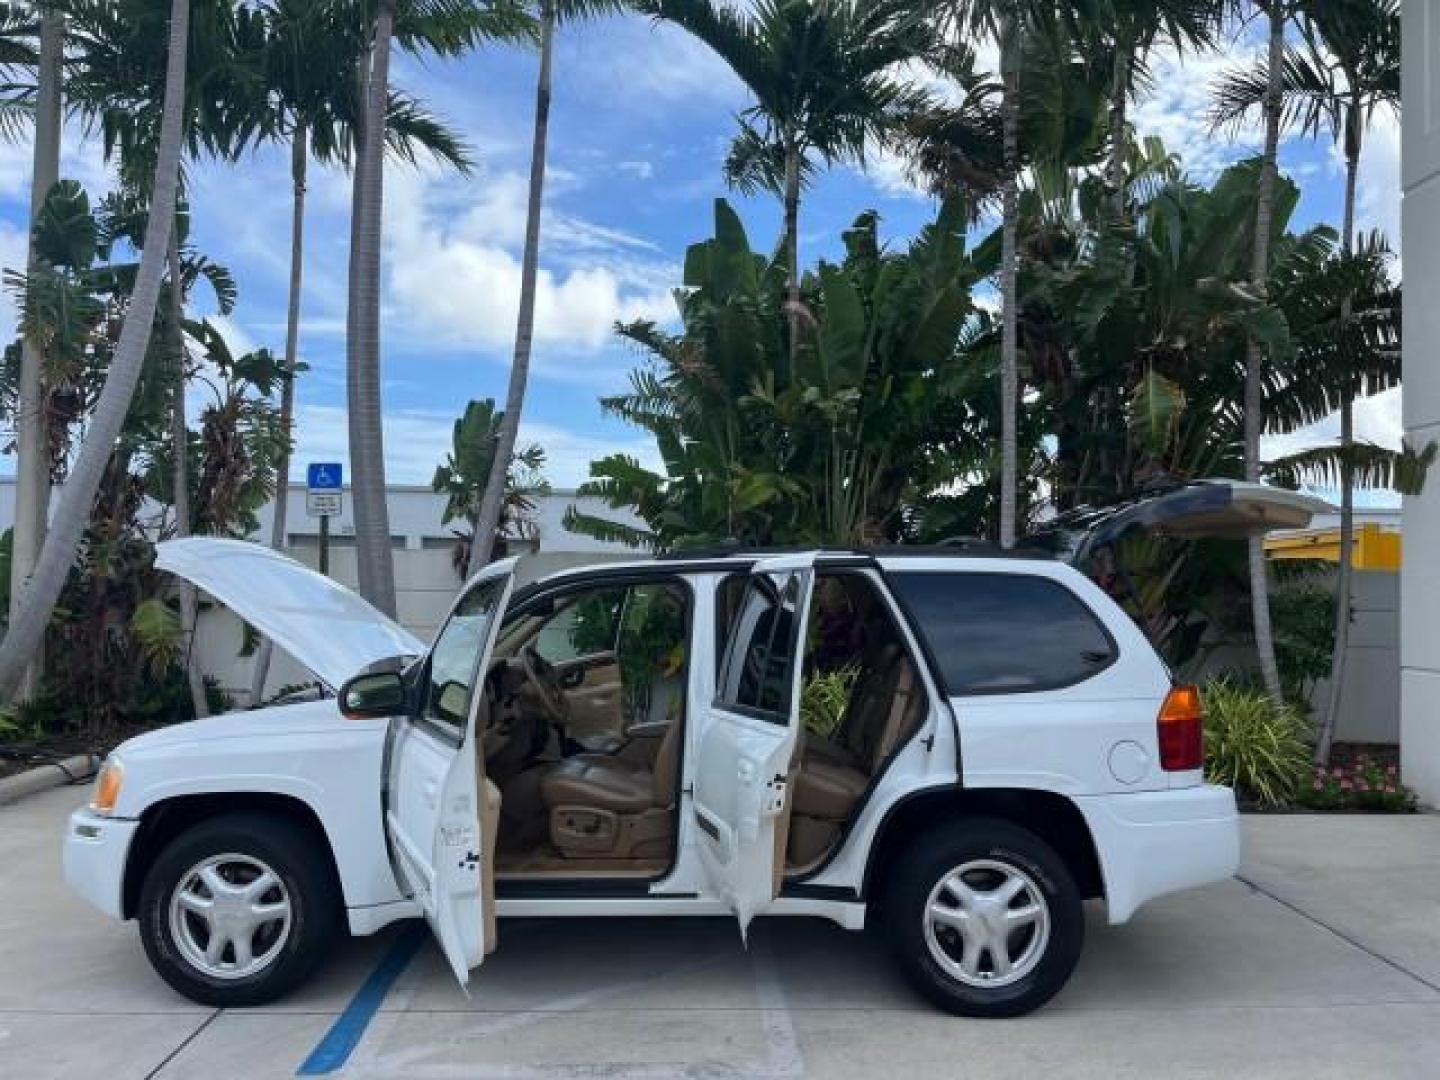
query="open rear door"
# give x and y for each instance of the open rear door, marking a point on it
(751, 738)
(440, 811)
(1205, 508)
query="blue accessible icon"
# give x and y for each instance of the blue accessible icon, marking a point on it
(324, 476)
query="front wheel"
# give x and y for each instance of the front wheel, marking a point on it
(239, 909)
(985, 919)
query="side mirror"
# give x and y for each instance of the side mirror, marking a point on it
(373, 696)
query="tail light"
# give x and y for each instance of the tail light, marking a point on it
(1179, 728)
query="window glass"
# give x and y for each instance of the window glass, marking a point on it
(728, 595)
(455, 657)
(585, 626)
(758, 671)
(1003, 633)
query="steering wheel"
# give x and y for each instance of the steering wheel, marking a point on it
(544, 680)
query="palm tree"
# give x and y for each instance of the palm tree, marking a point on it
(32, 480)
(19, 56)
(1277, 13)
(1346, 71)
(449, 27)
(824, 81)
(118, 71)
(362, 339)
(493, 504)
(1131, 29)
(308, 99)
(1008, 23)
(35, 605)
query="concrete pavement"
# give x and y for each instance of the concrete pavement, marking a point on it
(1326, 964)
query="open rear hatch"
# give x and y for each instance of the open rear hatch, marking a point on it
(1205, 508)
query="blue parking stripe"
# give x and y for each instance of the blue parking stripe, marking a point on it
(349, 1028)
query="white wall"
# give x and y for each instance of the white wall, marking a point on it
(1370, 701)
(1420, 580)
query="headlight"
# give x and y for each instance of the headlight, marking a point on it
(107, 786)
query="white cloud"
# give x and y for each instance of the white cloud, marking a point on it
(1177, 108)
(1378, 202)
(457, 278)
(1378, 420)
(417, 440)
(641, 170)
(650, 66)
(14, 251)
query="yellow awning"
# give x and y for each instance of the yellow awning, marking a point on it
(1375, 548)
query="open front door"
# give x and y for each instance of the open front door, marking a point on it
(751, 739)
(440, 811)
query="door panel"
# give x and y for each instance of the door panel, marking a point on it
(435, 815)
(749, 746)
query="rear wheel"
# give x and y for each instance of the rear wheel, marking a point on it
(985, 918)
(239, 909)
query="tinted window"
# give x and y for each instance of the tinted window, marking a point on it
(455, 657)
(1002, 633)
(759, 670)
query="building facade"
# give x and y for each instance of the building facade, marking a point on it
(1420, 575)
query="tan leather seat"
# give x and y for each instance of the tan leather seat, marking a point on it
(601, 804)
(835, 774)
(593, 780)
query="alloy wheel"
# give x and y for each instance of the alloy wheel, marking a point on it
(987, 923)
(230, 916)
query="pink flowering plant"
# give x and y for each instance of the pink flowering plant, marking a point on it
(1364, 784)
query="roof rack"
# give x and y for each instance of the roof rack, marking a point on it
(956, 547)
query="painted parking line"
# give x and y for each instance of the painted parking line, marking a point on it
(335, 1048)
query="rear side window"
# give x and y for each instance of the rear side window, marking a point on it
(758, 670)
(1004, 633)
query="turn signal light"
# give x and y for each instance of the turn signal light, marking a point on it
(1180, 728)
(107, 787)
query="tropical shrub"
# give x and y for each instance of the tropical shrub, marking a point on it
(1303, 613)
(462, 476)
(824, 697)
(828, 444)
(1253, 745)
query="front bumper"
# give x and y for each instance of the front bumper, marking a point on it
(95, 851)
(1151, 843)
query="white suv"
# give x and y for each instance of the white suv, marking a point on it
(963, 745)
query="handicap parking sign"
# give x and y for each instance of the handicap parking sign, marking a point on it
(324, 476)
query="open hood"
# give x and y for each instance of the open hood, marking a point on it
(322, 624)
(1205, 508)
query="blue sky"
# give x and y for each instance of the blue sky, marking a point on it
(641, 119)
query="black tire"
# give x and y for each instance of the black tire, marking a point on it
(930, 859)
(303, 865)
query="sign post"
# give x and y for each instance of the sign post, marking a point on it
(324, 499)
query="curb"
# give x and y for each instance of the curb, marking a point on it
(45, 777)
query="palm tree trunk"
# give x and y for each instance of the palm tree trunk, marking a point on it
(299, 162)
(1010, 321)
(487, 522)
(72, 511)
(374, 558)
(792, 243)
(180, 487)
(32, 480)
(1254, 353)
(1119, 103)
(1344, 585)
